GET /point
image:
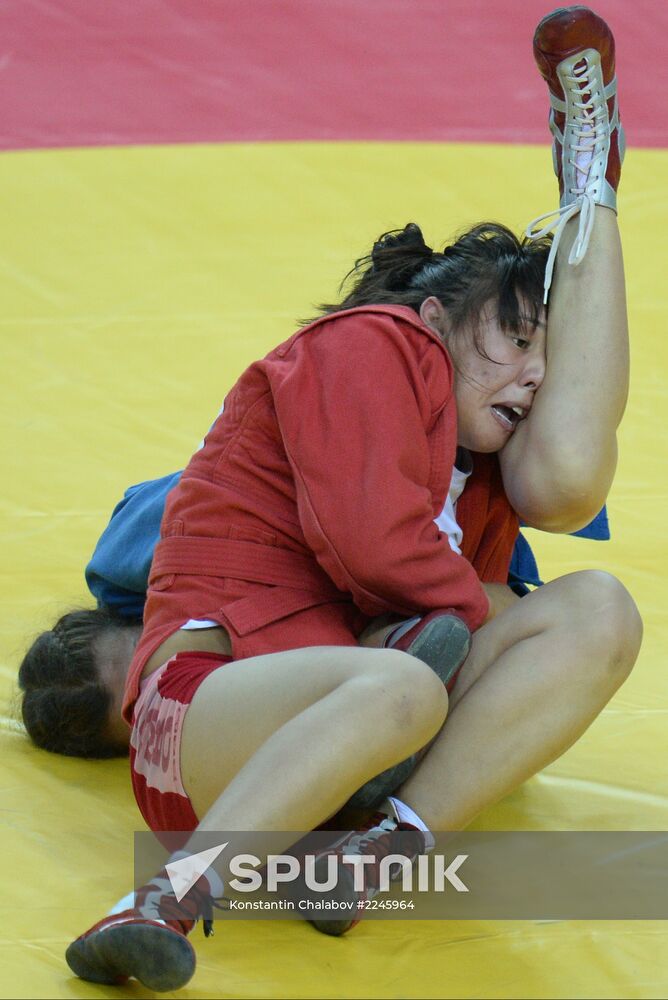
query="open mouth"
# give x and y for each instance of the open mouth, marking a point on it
(508, 416)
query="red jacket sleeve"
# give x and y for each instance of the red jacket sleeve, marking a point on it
(364, 403)
(489, 523)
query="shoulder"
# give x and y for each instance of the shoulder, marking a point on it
(374, 331)
(399, 321)
(363, 353)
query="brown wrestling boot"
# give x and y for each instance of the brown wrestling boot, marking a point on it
(382, 835)
(574, 50)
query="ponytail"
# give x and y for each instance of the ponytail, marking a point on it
(386, 275)
(486, 263)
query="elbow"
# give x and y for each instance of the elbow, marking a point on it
(566, 498)
(561, 522)
(562, 512)
(560, 506)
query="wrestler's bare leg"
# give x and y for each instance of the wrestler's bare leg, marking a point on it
(569, 450)
(280, 742)
(560, 462)
(535, 679)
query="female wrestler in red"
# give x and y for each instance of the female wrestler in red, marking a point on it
(310, 511)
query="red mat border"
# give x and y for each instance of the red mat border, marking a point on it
(83, 73)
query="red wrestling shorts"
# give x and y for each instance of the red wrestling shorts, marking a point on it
(155, 743)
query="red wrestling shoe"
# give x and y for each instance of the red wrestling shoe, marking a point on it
(441, 640)
(359, 883)
(147, 942)
(574, 50)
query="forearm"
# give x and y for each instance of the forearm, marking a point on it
(561, 460)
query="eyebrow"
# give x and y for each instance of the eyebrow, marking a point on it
(533, 323)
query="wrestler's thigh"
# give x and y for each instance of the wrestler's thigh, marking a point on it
(574, 602)
(241, 704)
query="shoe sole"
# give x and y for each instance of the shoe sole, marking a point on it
(559, 12)
(344, 892)
(161, 959)
(443, 644)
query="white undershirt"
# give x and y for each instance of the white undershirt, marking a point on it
(447, 519)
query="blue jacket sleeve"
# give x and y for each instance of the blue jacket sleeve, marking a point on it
(117, 574)
(523, 568)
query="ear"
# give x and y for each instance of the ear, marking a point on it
(434, 315)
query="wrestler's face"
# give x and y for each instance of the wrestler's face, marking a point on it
(496, 392)
(113, 651)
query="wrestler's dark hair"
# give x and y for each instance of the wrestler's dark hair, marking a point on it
(65, 707)
(488, 263)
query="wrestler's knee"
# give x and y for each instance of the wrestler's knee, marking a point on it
(412, 696)
(607, 618)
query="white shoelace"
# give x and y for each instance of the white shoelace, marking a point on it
(388, 825)
(591, 127)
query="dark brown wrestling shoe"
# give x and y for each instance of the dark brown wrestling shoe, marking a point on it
(574, 50)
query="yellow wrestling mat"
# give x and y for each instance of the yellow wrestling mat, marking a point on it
(136, 284)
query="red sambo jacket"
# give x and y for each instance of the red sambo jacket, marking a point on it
(319, 485)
